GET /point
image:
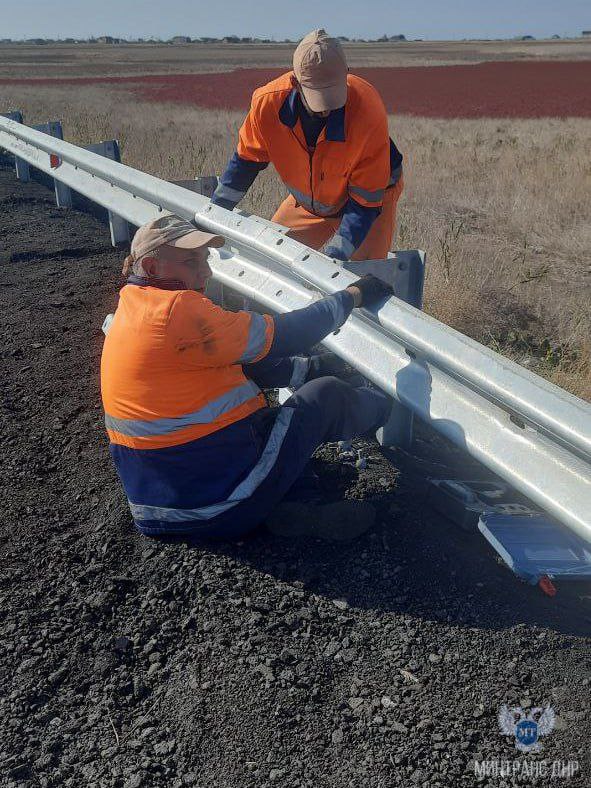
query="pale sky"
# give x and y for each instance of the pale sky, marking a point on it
(432, 19)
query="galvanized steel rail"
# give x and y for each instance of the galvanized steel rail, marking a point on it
(531, 433)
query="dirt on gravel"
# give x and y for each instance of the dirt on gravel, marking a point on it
(276, 661)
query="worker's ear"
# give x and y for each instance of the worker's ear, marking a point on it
(127, 265)
(151, 266)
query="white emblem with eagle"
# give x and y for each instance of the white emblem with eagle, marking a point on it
(525, 726)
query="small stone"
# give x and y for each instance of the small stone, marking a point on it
(165, 747)
(337, 736)
(434, 658)
(122, 644)
(333, 648)
(251, 766)
(354, 703)
(399, 727)
(135, 781)
(387, 702)
(342, 604)
(266, 672)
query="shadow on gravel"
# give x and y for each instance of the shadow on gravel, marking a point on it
(414, 561)
(405, 585)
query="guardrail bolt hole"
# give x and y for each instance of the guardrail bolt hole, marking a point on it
(336, 273)
(279, 292)
(279, 241)
(514, 419)
(240, 273)
(305, 257)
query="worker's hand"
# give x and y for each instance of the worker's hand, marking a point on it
(369, 291)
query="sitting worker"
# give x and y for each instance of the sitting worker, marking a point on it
(326, 133)
(198, 451)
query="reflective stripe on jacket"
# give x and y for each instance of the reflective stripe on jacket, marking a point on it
(352, 155)
(171, 367)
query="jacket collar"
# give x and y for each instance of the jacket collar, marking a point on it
(289, 113)
(162, 284)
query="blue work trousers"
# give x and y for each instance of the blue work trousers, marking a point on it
(325, 409)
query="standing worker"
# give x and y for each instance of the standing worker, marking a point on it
(197, 449)
(326, 133)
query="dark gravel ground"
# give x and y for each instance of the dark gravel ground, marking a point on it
(126, 662)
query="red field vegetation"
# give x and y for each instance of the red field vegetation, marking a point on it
(494, 89)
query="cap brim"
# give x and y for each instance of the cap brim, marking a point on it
(325, 99)
(197, 239)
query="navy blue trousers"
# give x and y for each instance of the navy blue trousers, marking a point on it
(324, 410)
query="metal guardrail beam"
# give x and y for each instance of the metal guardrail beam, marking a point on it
(535, 400)
(514, 388)
(546, 473)
(530, 433)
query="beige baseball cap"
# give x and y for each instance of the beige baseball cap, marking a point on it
(171, 230)
(320, 67)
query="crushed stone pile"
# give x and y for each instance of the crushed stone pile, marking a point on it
(289, 659)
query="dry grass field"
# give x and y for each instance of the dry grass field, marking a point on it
(501, 206)
(82, 60)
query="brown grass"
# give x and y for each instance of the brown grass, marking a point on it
(501, 206)
(78, 60)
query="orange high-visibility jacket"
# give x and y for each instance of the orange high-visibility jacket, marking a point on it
(157, 343)
(322, 181)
